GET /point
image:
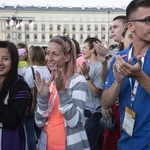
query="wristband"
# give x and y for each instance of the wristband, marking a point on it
(88, 78)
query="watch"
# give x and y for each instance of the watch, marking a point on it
(88, 78)
(107, 57)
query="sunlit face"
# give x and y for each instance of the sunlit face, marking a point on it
(86, 51)
(140, 30)
(5, 62)
(127, 39)
(116, 30)
(55, 56)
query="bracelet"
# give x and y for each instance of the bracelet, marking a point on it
(107, 57)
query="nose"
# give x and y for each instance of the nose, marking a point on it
(49, 56)
(111, 30)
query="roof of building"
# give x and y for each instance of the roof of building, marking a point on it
(69, 8)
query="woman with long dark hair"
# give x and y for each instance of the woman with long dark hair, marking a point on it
(14, 99)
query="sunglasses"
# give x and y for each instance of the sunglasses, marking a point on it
(146, 20)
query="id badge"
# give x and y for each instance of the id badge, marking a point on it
(128, 121)
(42, 141)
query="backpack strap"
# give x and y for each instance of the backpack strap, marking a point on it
(33, 73)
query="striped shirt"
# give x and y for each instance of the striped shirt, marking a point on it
(72, 104)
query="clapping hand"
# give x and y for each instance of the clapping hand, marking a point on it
(59, 80)
(41, 85)
(102, 51)
(126, 69)
(85, 69)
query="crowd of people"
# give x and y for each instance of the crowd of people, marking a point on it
(53, 99)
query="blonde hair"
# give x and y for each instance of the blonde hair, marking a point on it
(68, 47)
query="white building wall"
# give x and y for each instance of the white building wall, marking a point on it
(65, 19)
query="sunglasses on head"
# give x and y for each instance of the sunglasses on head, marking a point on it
(65, 38)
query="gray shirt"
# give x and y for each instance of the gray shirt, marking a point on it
(94, 103)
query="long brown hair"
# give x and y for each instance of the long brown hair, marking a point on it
(37, 56)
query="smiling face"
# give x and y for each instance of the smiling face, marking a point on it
(55, 56)
(5, 62)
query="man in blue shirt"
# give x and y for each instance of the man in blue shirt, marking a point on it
(129, 79)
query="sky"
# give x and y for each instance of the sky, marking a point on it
(66, 3)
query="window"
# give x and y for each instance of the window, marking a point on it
(35, 36)
(58, 27)
(73, 36)
(81, 19)
(103, 27)
(73, 27)
(81, 36)
(96, 36)
(19, 28)
(110, 27)
(19, 35)
(35, 27)
(50, 36)
(81, 27)
(43, 27)
(88, 27)
(88, 19)
(50, 27)
(88, 36)
(8, 36)
(27, 36)
(96, 27)
(43, 36)
(64, 31)
(8, 28)
(26, 27)
(103, 36)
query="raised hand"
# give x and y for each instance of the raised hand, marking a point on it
(85, 69)
(41, 85)
(59, 81)
(101, 49)
(126, 69)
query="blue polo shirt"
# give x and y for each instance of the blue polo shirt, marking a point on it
(140, 139)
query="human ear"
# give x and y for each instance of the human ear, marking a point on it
(122, 40)
(130, 26)
(67, 57)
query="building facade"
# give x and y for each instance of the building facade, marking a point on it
(76, 22)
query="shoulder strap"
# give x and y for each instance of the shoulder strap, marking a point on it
(33, 73)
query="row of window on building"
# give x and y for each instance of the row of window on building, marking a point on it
(42, 36)
(59, 27)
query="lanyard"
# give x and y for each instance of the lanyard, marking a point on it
(51, 104)
(133, 92)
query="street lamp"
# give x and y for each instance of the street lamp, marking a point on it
(16, 22)
(108, 25)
